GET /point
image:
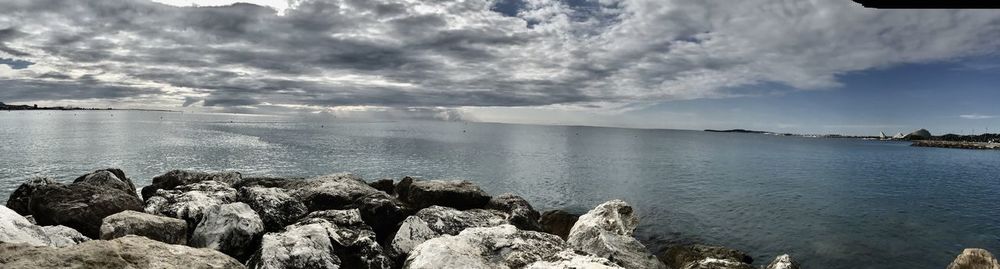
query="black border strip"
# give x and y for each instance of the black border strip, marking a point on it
(930, 4)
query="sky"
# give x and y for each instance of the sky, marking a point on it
(820, 66)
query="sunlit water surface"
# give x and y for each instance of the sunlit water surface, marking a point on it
(831, 203)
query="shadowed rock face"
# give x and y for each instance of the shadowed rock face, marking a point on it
(159, 228)
(80, 206)
(489, 247)
(558, 222)
(385, 185)
(520, 213)
(108, 178)
(325, 239)
(230, 228)
(337, 191)
(706, 257)
(125, 252)
(974, 258)
(458, 194)
(17, 229)
(175, 178)
(607, 232)
(20, 199)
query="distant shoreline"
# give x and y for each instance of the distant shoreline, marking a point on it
(956, 144)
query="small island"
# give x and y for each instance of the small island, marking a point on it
(9, 107)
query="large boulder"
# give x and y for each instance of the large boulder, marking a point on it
(80, 206)
(459, 194)
(15, 229)
(159, 228)
(233, 229)
(502, 246)
(175, 178)
(386, 185)
(520, 213)
(436, 221)
(20, 199)
(383, 213)
(785, 261)
(607, 232)
(326, 239)
(188, 202)
(125, 252)
(268, 182)
(336, 191)
(975, 258)
(274, 206)
(706, 257)
(569, 259)
(558, 222)
(108, 178)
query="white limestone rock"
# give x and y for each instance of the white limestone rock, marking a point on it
(783, 261)
(488, 247)
(274, 206)
(975, 258)
(568, 259)
(125, 252)
(326, 239)
(188, 202)
(436, 221)
(159, 228)
(15, 228)
(607, 232)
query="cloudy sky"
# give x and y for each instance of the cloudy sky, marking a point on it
(804, 66)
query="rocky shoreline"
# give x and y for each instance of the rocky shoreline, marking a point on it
(188, 219)
(955, 144)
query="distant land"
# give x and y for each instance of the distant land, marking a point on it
(920, 138)
(4, 106)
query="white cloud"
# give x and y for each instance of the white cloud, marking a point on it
(977, 116)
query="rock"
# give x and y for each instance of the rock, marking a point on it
(326, 239)
(785, 261)
(274, 206)
(458, 194)
(974, 258)
(16, 229)
(108, 178)
(383, 213)
(233, 229)
(125, 252)
(436, 221)
(385, 185)
(62, 236)
(20, 199)
(606, 231)
(80, 206)
(489, 247)
(175, 178)
(569, 259)
(558, 222)
(693, 255)
(159, 228)
(520, 213)
(188, 202)
(268, 182)
(336, 191)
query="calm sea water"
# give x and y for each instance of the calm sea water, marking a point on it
(831, 203)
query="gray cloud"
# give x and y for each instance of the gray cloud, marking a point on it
(402, 54)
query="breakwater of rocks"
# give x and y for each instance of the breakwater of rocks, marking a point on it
(189, 219)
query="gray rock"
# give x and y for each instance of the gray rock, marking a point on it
(188, 202)
(336, 191)
(326, 239)
(20, 199)
(62, 236)
(459, 194)
(80, 206)
(785, 261)
(108, 178)
(607, 232)
(558, 222)
(975, 258)
(268, 182)
(383, 213)
(384, 185)
(175, 178)
(159, 228)
(125, 252)
(436, 221)
(569, 259)
(520, 213)
(489, 247)
(274, 206)
(230, 228)
(704, 257)
(17, 229)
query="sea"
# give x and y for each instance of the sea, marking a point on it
(830, 203)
